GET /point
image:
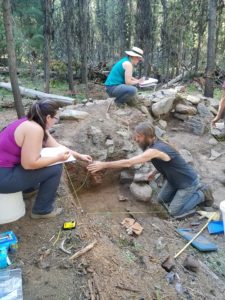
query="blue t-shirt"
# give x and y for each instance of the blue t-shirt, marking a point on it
(117, 74)
(177, 171)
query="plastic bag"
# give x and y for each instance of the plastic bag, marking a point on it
(11, 285)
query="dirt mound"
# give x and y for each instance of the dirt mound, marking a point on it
(119, 266)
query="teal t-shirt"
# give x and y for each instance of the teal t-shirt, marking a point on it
(116, 76)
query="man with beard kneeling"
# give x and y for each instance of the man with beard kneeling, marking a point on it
(182, 190)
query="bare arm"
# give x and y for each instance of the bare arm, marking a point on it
(129, 79)
(221, 109)
(31, 148)
(127, 163)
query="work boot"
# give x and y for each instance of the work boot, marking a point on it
(56, 212)
(208, 195)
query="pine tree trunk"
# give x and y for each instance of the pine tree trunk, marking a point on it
(219, 23)
(47, 5)
(143, 30)
(122, 26)
(67, 6)
(211, 47)
(164, 39)
(7, 16)
(83, 18)
(201, 30)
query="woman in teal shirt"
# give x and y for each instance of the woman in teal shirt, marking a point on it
(120, 82)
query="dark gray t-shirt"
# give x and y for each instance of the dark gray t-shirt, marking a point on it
(178, 173)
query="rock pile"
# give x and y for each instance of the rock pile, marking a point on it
(195, 111)
(111, 138)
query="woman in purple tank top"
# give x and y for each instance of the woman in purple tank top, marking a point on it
(21, 166)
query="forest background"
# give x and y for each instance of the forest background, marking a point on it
(57, 42)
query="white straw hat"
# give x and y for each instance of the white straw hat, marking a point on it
(135, 51)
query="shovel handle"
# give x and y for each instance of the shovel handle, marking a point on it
(194, 237)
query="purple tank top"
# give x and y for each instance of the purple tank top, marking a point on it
(10, 152)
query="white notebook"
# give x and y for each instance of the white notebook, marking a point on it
(148, 82)
(54, 151)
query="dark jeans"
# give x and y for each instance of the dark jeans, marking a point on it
(183, 200)
(17, 179)
(123, 92)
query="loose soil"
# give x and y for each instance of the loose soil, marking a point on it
(119, 266)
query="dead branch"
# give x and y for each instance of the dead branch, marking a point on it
(83, 251)
(61, 100)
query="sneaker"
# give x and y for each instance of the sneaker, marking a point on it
(209, 199)
(56, 212)
(185, 215)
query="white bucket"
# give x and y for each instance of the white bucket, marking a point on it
(222, 208)
(12, 207)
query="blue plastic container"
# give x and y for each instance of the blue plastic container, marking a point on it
(8, 240)
(3, 257)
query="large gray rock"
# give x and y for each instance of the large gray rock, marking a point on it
(109, 143)
(96, 135)
(181, 117)
(213, 110)
(128, 146)
(99, 154)
(214, 154)
(142, 192)
(141, 177)
(110, 146)
(213, 142)
(161, 94)
(163, 124)
(124, 134)
(212, 102)
(218, 133)
(70, 114)
(159, 132)
(215, 131)
(204, 111)
(163, 107)
(193, 99)
(185, 109)
(187, 156)
(195, 125)
(126, 176)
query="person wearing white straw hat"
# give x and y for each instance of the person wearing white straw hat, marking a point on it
(120, 82)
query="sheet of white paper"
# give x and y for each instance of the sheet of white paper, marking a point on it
(149, 82)
(53, 151)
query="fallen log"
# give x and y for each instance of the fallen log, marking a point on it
(61, 100)
(178, 78)
(175, 80)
